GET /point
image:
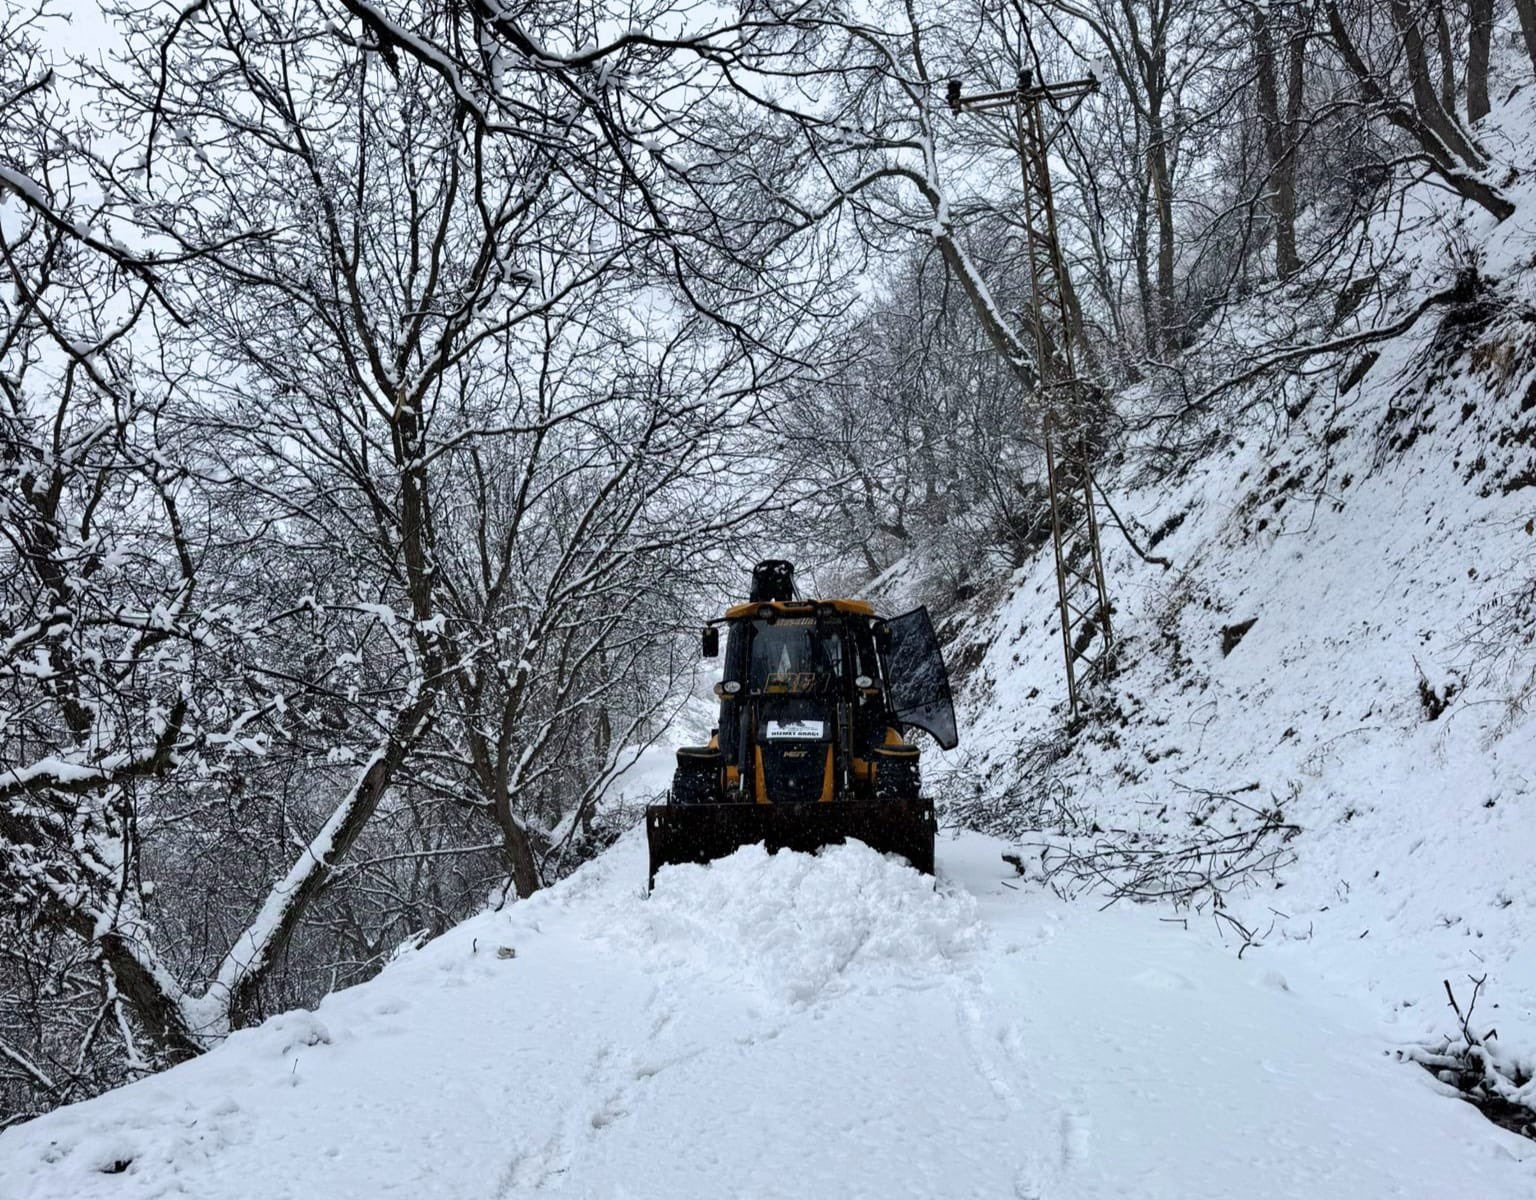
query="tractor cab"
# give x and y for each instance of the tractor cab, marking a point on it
(816, 698)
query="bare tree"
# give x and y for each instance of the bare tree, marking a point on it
(1160, 52)
(434, 488)
(100, 579)
(1391, 49)
(1281, 78)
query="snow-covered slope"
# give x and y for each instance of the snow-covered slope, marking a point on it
(798, 1027)
(1344, 638)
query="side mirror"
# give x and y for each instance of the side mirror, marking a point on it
(711, 642)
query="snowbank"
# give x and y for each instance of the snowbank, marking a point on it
(789, 1026)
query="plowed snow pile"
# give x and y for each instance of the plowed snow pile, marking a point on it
(798, 1027)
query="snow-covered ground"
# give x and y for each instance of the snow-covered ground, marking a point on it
(791, 1026)
(1371, 572)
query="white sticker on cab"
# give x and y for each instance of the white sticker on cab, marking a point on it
(810, 731)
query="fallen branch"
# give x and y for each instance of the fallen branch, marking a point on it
(1499, 1086)
(1286, 355)
(1197, 873)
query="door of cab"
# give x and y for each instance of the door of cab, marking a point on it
(918, 679)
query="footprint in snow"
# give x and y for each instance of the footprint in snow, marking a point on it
(1027, 1184)
(1163, 980)
(1076, 1131)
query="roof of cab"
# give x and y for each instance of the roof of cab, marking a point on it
(853, 608)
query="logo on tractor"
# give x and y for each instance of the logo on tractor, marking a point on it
(790, 681)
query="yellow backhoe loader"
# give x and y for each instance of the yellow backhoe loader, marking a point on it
(816, 700)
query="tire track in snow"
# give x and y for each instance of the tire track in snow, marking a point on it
(619, 1071)
(1056, 1138)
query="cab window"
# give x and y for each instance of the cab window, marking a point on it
(795, 657)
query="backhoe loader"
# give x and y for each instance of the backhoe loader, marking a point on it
(816, 698)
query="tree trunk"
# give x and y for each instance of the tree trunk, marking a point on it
(1162, 196)
(1431, 111)
(1003, 339)
(517, 846)
(265, 941)
(1479, 43)
(1279, 135)
(1447, 58)
(1527, 11)
(1295, 83)
(1458, 162)
(1151, 329)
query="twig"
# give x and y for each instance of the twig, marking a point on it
(1157, 559)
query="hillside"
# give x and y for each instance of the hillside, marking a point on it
(1336, 655)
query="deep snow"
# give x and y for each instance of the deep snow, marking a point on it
(791, 1026)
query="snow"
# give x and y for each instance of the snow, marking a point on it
(1365, 576)
(23, 185)
(791, 1026)
(62, 771)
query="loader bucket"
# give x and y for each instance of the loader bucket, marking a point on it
(699, 833)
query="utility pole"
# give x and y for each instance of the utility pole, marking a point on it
(1072, 422)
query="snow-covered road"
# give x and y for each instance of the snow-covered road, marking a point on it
(796, 1027)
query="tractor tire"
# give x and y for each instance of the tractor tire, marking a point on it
(897, 779)
(693, 786)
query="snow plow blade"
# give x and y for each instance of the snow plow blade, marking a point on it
(700, 833)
